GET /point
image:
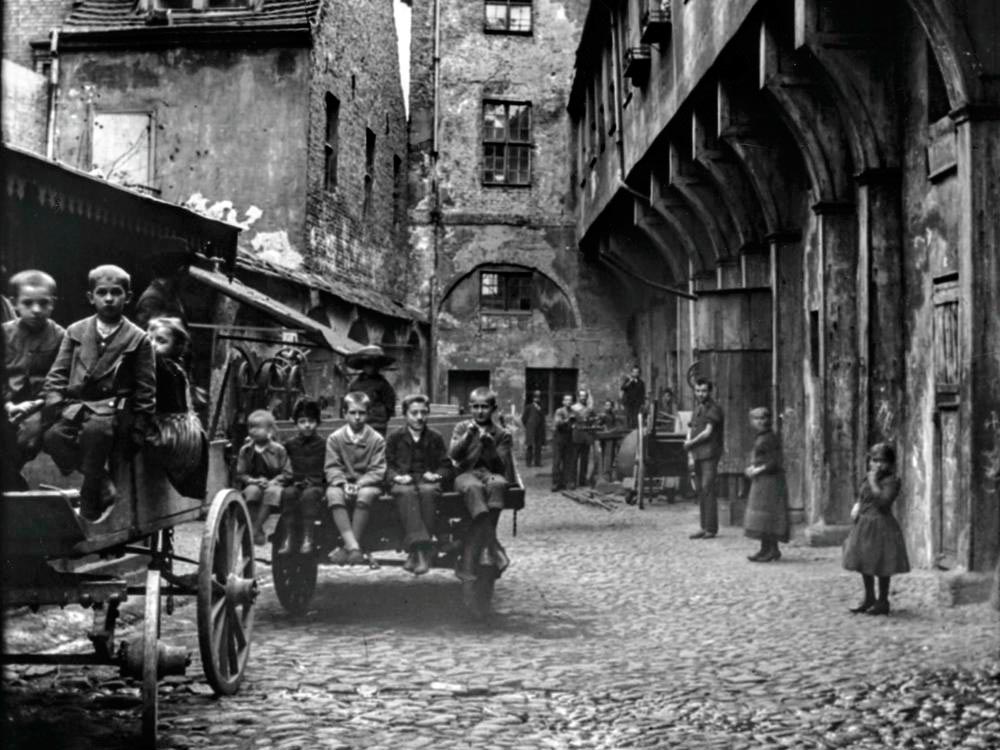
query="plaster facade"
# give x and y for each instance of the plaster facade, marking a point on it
(461, 226)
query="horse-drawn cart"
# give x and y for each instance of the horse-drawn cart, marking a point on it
(42, 526)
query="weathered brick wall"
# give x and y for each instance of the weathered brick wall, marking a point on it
(355, 59)
(24, 107)
(526, 226)
(25, 21)
(229, 124)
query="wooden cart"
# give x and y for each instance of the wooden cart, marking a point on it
(42, 526)
(295, 574)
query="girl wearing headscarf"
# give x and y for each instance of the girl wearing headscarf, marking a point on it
(767, 508)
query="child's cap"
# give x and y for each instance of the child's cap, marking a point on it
(760, 412)
(883, 452)
(306, 408)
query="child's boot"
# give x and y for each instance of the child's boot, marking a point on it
(869, 601)
(290, 543)
(881, 607)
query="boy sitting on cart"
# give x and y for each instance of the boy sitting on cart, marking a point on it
(101, 390)
(482, 453)
(355, 469)
(262, 470)
(31, 341)
(417, 465)
(302, 499)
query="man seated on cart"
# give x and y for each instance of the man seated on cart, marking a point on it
(484, 460)
(101, 390)
(355, 469)
(418, 464)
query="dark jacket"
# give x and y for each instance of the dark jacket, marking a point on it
(123, 378)
(708, 412)
(404, 456)
(171, 387)
(307, 456)
(534, 424)
(28, 355)
(279, 468)
(480, 448)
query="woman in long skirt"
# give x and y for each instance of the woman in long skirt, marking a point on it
(767, 508)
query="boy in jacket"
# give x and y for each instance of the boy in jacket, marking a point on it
(417, 466)
(32, 341)
(262, 470)
(100, 390)
(355, 469)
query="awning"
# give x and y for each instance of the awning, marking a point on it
(281, 312)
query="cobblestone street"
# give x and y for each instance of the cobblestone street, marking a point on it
(612, 630)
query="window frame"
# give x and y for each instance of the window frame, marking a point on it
(487, 29)
(507, 143)
(331, 145)
(503, 293)
(151, 114)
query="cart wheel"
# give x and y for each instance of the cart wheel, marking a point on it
(227, 590)
(294, 575)
(150, 659)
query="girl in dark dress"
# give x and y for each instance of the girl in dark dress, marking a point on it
(179, 437)
(875, 547)
(767, 508)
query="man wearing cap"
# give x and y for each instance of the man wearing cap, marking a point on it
(370, 359)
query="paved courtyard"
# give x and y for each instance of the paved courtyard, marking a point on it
(612, 630)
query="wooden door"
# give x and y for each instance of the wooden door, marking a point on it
(733, 343)
(948, 512)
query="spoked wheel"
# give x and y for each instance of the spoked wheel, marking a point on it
(150, 658)
(227, 590)
(294, 575)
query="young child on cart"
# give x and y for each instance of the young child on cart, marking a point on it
(418, 464)
(100, 391)
(302, 499)
(180, 443)
(482, 453)
(262, 470)
(355, 469)
(31, 343)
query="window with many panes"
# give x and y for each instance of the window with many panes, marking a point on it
(508, 16)
(506, 143)
(504, 291)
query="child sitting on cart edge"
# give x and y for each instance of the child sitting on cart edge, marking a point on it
(31, 342)
(262, 470)
(302, 499)
(355, 468)
(101, 390)
(482, 453)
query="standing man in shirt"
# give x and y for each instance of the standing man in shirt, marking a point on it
(633, 395)
(704, 447)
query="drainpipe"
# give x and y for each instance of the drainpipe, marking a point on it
(435, 209)
(53, 99)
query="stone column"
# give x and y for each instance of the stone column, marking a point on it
(838, 251)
